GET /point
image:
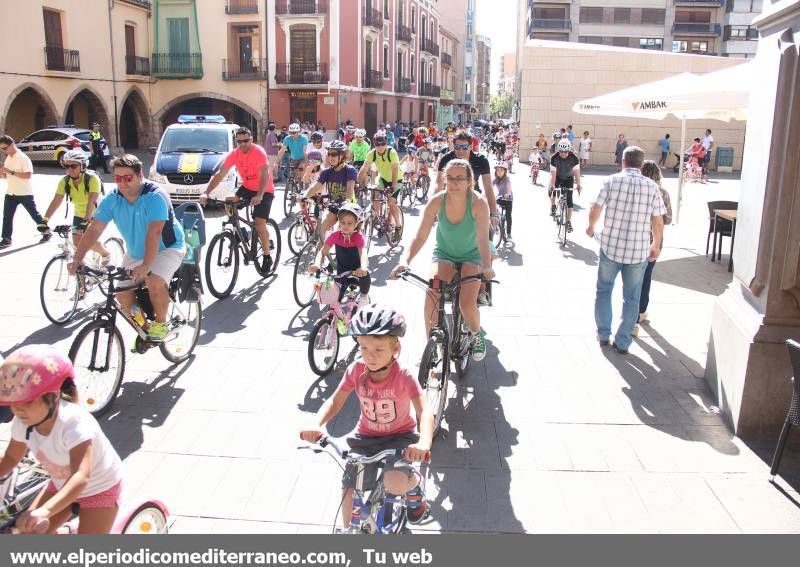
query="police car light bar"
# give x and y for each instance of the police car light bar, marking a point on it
(216, 118)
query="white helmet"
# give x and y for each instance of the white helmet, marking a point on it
(294, 128)
(75, 156)
(564, 146)
(361, 133)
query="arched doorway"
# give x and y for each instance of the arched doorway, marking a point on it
(27, 111)
(134, 122)
(84, 109)
(205, 105)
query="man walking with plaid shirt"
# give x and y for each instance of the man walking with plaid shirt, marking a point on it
(634, 209)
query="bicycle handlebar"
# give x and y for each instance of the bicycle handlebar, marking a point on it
(326, 443)
(429, 282)
(110, 272)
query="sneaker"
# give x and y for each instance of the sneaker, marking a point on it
(620, 350)
(483, 298)
(157, 331)
(267, 263)
(635, 331)
(398, 233)
(5, 243)
(46, 236)
(478, 347)
(569, 226)
(603, 342)
(643, 317)
(417, 508)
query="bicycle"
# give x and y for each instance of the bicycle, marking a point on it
(501, 234)
(336, 315)
(381, 223)
(374, 511)
(292, 190)
(408, 195)
(28, 479)
(305, 226)
(223, 250)
(98, 348)
(560, 216)
(423, 184)
(448, 340)
(60, 291)
(303, 283)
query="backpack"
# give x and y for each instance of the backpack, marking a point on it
(384, 156)
(86, 176)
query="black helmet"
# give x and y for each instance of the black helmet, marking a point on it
(316, 137)
(377, 320)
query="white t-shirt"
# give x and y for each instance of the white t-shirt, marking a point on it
(73, 426)
(707, 141)
(19, 162)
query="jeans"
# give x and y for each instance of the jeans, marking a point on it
(10, 207)
(632, 275)
(644, 300)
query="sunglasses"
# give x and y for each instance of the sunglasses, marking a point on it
(126, 178)
(383, 143)
(247, 141)
(71, 165)
(334, 154)
(451, 179)
(461, 146)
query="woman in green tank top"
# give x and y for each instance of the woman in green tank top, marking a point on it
(463, 214)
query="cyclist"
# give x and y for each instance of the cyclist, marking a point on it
(425, 156)
(387, 394)
(390, 136)
(565, 172)
(296, 144)
(388, 163)
(154, 239)
(499, 144)
(505, 195)
(463, 216)
(314, 167)
(357, 151)
(257, 186)
(409, 164)
(37, 382)
(338, 178)
(83, 189)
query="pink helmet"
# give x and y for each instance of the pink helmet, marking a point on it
(32, 371)
(503, 164)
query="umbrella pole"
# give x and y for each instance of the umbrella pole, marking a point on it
(680, 170)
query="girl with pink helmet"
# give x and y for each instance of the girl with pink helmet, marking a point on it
(36, 381)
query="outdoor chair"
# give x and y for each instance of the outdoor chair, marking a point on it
(793, 417)
(722, 227)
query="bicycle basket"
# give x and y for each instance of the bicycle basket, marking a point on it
(328, 292)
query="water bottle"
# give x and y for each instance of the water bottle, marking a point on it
(192, 242)
(138, 315)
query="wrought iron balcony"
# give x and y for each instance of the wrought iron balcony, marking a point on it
(556, 25)
(60, 59)
(403, 33)
(447, 59)
(697, 29)
(241, 6)
(137, 65)
(146, 4)
(427, 89)
(430, 46)
(177, 65)
(371, 17)
(373, 79)
(301, 7)
(402, 85)
(301, 73)
(236, 70)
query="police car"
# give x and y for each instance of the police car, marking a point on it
(190, 152)
(51, 143)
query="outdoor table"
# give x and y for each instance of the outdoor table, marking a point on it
(729, 215)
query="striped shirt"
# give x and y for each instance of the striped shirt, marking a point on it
(630, 200)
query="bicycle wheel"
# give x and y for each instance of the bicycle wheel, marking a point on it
(410, 195)
(115, 247)
(59, 291)
(434, 371)
(500, 233)
(222, 264)
(323, 346)
(390, 233)
(288, 197)
(303, 282)
(98, 355)
(562, 225)
(298, 236)
(460, 348)
(148, 519)
(423, 184)
(184, 320)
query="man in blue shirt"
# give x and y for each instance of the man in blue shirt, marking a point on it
(296, 143)
(664, 145)
(154, 239)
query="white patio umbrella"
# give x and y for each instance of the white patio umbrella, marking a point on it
(721, 95)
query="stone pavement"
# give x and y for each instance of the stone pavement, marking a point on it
(550, 433)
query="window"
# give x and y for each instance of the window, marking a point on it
(385, 60)
(540, 13)
(620, 42)
(622, 15)
(52, 28)
(591, 15)
(656, 43)
(303, 44)
(412, 67)
(653, 15)
(423, 27)
(385, 117)
(685, 46)
(742, 33)
(414, 19)
(400, 13)
(130, 40)
(398, 110)
(594, 39)
(693, 17)
(385, 9)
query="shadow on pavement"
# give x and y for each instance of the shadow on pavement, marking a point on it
(789, 470)
(228, 315)
(11, 251)
(575, 251)
(508, 254)
(694, 272)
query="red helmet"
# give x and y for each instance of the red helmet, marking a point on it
(32, 371)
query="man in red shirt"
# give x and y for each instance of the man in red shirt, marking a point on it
(252, 164)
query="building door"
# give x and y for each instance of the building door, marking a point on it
(53, 40)
(302, 52)
(371, 116)
(398, 110)
(368, 58)
(303, 106)
(180, 59)
(130, 50)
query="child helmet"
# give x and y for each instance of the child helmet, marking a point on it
(377, 320)
(32, 371)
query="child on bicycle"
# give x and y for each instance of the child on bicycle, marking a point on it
(37, 382)
(350, 250)
(535, 160)
(338, 180)
(409, 164)
(505, 196)
(313, 168)
(386, 393)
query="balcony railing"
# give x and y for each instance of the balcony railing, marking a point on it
(241, 6)
(403, 33)
(447, 94)
(301, 73)
(430, 46)
(137, 65)
(372, 17)
(426, 89)
(146, 4)
(697, 28)
(177, 65)
(373, 79)
(402, 85)
(301, 7)
(60, 59)
(236, 70)
(554, 25)
(700, 2)
(447, 59)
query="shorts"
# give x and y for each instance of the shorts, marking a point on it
(358, 164)
(260, 211)
(441, 258)
(383, 184)
(295, 163)
(76, 225)
(368, 446)
(165, 265)
(109, 498)
(563, 184)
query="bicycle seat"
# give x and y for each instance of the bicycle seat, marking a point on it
(63, 230)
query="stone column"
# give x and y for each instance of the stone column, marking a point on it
(748, 367)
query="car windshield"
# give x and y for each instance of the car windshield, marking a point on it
(82, 136)
(195, 139)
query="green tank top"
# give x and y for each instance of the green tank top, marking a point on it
(457, 242)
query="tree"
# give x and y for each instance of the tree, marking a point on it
(502, 105)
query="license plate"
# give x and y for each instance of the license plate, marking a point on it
(186, 191)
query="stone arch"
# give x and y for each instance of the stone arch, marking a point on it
(84, 106)
(28, 108)
(209, 103)
(135, 123)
